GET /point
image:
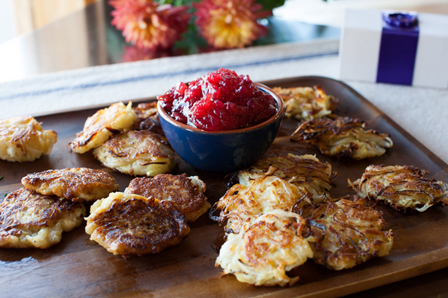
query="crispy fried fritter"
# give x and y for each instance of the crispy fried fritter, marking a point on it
(147, 118)
(346, 233)
(305, 172)
(402, 187)
(29, 219)
(128, 224)
(137, 153)
(307, 102)
(23, 139)
(264, 194)
(343, 137)
(99, 127)
(267, 247)
(186, 193)
(75, 184)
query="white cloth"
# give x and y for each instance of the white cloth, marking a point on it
(423, 112)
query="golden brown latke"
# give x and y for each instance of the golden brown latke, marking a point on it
(99, 127)
(29, 219)
(75, 184)
(307, 102)
(343, 137)
(23, 139)
(241, 203)
(401, 187)
(129, 224)
(265, 249)
(147, 118)
(186, 193)
(305, 172)
(346, 233)
(137, 153)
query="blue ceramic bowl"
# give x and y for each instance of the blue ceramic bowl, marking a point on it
(223, 151)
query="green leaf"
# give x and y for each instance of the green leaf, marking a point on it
(270, 4)
(191, 42)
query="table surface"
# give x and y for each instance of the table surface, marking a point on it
(95, 42)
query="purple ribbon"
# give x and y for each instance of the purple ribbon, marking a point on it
(398, 48)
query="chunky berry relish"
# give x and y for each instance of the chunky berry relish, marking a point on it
(220, 100)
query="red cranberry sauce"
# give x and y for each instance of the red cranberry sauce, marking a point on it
(220, 100)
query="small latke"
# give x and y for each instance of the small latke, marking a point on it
(186, 193)
(241, 203)
(267, 247)
(136, 153)
(23, 139)
(147, 118)
(99, 127)
(29, 219)
(343, 137)
(307, 102)
(401, 187)
(129, 224)
(304, 171)
(346, 233)
(75, 184)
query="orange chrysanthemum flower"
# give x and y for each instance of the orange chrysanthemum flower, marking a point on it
(229, 23)
(147, 25)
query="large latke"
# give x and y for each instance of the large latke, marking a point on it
(242, 203)
(186, 193)
(137, 153)
(305, 171)
(99, 127)
(75, 184)
(266, 249)
(29, 219)
(129, 224)
(346, 233)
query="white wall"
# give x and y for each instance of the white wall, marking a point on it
(7, 22)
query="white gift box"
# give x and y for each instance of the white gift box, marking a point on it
(372, 49)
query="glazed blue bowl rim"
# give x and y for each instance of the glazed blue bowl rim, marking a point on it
(278, 114)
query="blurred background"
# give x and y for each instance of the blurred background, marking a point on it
(41, 36)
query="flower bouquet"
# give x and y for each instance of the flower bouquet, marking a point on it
(155, 28)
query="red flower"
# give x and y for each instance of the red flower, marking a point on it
(230, 23)
(148, 25)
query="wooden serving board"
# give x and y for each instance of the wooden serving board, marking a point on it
(81, 268)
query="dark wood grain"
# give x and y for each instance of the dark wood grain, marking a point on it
(79, 267)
